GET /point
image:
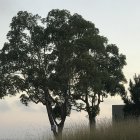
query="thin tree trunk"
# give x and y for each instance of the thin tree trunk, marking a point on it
(49, 112)
(60, 129)
(63, 116)
(53, 126)
(92, 123)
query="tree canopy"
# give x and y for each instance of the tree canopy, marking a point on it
(94, 66)
(62, 62)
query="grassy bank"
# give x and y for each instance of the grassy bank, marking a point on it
(126, 130)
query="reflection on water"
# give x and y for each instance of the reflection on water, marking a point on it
(18, 122)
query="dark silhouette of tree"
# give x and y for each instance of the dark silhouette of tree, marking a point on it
(60, 61)
(99, 74)
(93, 67)
(27, 64)
(132, 99)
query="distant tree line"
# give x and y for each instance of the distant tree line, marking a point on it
(62, 62)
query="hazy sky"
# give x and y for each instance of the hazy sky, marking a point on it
(118, 20)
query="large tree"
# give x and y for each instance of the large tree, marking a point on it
(97, 67)
(93, 67)
(28, 65)
(61, 61)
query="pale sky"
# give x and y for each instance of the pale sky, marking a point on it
(118, 20)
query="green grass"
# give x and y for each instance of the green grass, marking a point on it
(125, 130)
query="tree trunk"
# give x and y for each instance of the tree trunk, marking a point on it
(92, 123)
(50, 117)
(60, 129)
(53, 126)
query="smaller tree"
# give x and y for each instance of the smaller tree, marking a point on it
(100, 75)
(132, 99)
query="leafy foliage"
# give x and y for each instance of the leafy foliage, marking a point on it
(60, 61)
(28, 63)
(132, 101)
(98, 71)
